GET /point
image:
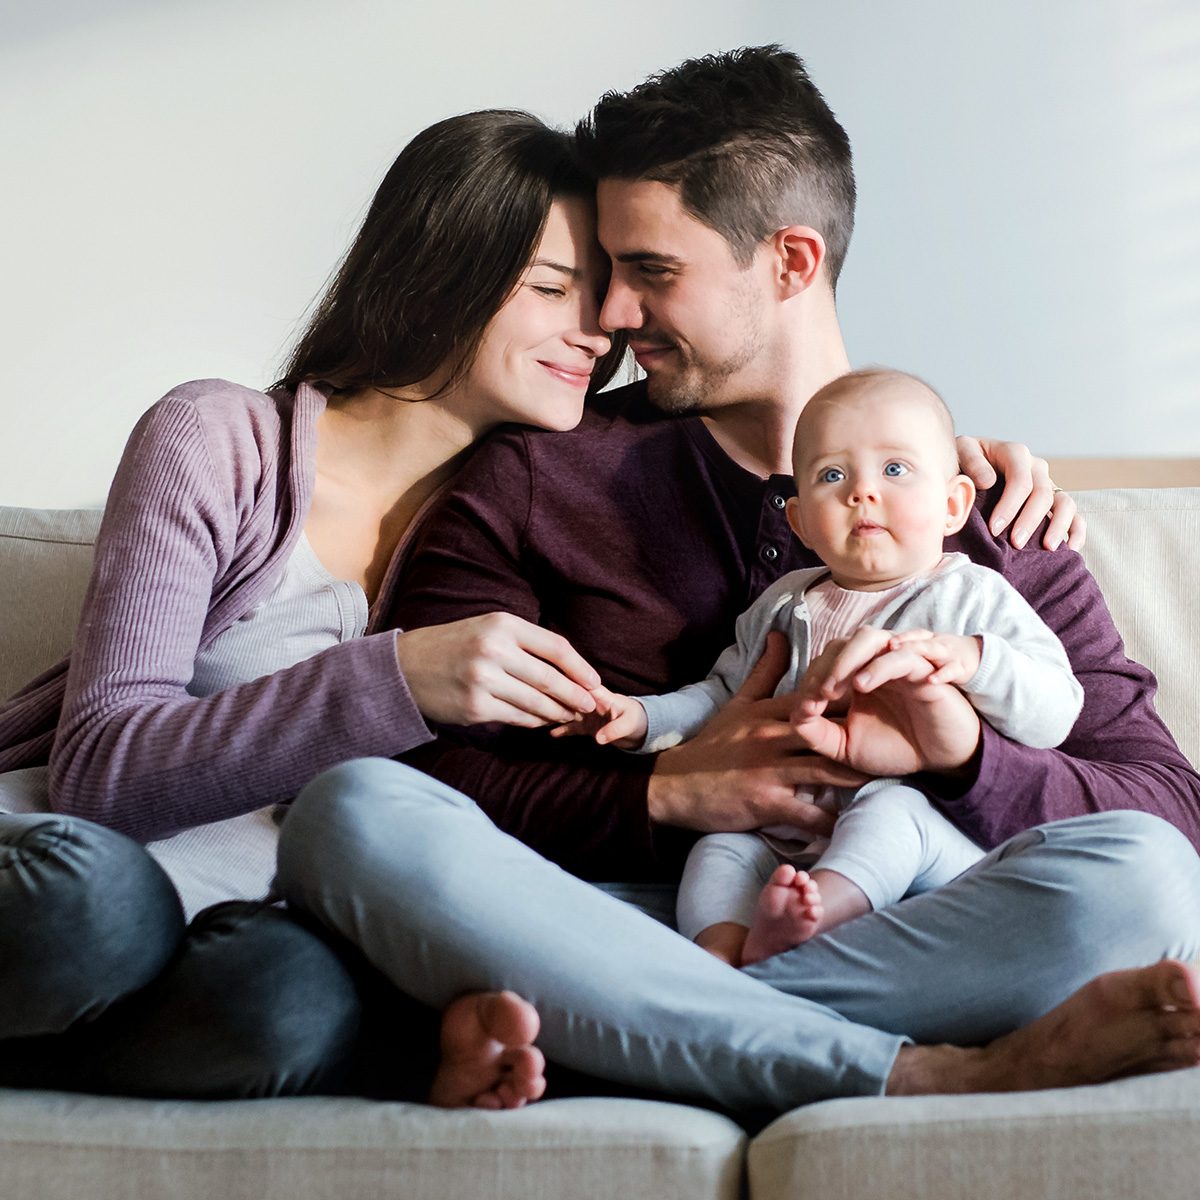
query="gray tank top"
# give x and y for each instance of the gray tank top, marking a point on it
(308, 611)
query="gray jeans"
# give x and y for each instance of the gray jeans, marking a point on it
(443, 903)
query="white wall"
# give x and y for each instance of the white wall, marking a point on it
(177, 178)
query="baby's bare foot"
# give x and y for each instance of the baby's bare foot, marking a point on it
(789, 912)
(488, 1056)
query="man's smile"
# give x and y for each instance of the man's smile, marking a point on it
(649, 353)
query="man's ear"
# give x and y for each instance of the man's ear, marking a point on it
(800, 252)
(792, 512)
(959, 499)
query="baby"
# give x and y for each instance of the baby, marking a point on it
(878, 488)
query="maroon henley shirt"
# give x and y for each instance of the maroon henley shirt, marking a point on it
(637, 538)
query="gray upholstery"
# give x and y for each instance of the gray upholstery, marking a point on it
(45, 561)
(86, 1148)
(1137, 1139)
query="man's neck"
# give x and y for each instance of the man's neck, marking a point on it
(757, 433)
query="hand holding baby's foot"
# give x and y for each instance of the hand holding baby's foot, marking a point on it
(488, 1056)
(789, 912)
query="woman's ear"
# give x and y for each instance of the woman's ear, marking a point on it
(801, 252)
(792, 512)
(960, 496)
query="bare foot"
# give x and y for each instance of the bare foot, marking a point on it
(789, 912)
(1123, 1023)
(488, 1056)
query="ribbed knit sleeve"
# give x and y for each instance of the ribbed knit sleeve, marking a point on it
(190, 521)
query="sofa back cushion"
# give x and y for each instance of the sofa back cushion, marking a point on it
(1143, 547)
(45, 561)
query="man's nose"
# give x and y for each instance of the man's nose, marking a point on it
(622, 308)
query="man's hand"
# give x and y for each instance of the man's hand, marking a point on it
(897, 720)
(1028, 495)
(618, 721)
(741, 771)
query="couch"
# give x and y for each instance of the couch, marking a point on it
(1134, 1139)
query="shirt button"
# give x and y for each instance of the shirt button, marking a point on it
(778, 502)
(770, 554)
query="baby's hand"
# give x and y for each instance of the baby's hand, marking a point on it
(955, 656)
(618, 721)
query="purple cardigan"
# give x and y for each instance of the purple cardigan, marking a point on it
(640, 540)
(209, 500)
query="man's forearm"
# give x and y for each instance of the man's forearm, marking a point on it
(1016, 787)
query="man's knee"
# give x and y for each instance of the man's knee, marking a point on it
(255, 1005)
(1125, 839)
(351, 814)
(86, 917)
(1139, 869)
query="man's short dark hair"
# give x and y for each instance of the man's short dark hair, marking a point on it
(748, 139)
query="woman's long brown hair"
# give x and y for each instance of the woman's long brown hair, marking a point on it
(453, 226)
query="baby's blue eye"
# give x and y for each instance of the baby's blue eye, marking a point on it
(895, 469)
(831, 475)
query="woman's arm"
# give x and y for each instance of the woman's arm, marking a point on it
(134, 751)
(1029, 493)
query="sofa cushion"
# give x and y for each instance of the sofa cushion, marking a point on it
(54, 1145)
(1142, 548)
(45, 561)
(1136, 1139)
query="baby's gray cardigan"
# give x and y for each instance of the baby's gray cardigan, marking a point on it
(1023, 688)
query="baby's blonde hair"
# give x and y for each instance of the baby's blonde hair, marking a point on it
(849, 387)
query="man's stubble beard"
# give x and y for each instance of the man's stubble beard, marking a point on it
(701, 385)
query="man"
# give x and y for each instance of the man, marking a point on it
(726, 203)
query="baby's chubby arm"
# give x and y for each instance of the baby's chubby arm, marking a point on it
(651, 724)
(1011, 667)
(1022, 685)
(971, 630)
(617, 721)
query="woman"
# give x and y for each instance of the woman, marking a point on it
(231, 643)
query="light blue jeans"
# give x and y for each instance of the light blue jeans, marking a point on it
(890, 843)
(444, 903)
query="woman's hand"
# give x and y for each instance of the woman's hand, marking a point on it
(495, 667)
(1029, 493)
